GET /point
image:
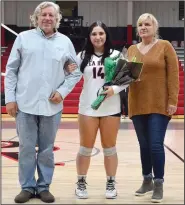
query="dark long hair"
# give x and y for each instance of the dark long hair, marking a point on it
(88, 49)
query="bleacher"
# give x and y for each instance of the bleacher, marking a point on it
(3, 49)
(180, 54)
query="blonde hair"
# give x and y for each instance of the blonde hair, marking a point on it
(37, 12)
(144, 17)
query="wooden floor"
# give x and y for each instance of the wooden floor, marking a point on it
(129, 170)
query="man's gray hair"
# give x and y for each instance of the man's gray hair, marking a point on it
(37, 12)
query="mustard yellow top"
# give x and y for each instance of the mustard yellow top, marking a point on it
(159, 81)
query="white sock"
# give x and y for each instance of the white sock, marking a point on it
(81, 176)
(110, 178)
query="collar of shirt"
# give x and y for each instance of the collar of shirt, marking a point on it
(40, 31)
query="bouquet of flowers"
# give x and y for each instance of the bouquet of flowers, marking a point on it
(118, 71)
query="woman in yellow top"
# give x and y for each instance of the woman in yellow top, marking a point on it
(152, 101)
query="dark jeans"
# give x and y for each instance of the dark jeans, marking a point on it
(150, 130)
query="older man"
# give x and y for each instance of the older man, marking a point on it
(36, 84)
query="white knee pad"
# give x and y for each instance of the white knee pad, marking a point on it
(85, 151)
(109, 151)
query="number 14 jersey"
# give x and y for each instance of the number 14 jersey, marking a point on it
(94, 79)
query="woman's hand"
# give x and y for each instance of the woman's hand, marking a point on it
(108, 91)
(171, 109)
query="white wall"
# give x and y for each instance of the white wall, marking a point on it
(113, 13)
(10, 11)
(167, 13)
(18, 12)
(2, 11)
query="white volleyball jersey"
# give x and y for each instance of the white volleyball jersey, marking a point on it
(93, 80)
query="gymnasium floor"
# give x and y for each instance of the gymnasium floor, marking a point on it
(129, 170)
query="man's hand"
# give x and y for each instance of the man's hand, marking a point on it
(55, 98)
(12, 108)
(71, 67)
